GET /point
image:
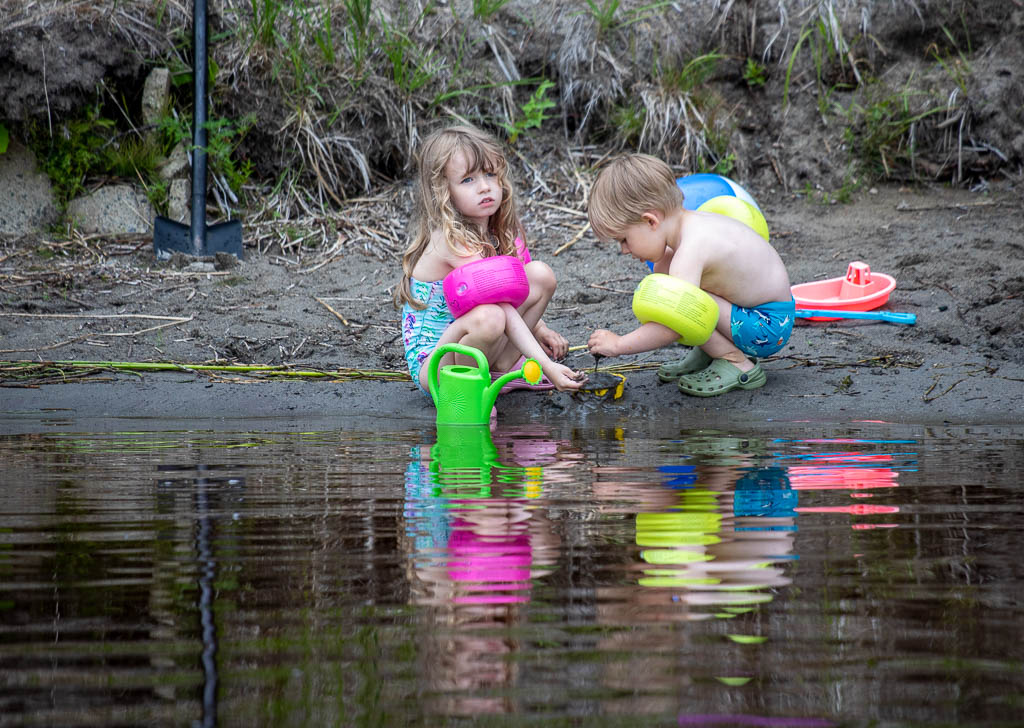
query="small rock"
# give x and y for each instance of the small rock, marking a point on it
(112, 210)
(155, 93)
(175, 165)
(177, 201)
(224, 261)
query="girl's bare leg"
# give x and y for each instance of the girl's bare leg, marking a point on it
(542, 288)
(483, 328)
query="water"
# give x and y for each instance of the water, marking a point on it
(803, 575)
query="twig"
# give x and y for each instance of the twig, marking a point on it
(326, 305)
(575, 238)
(608, 288)
(926, 398)
(903, 207)
(568, 210)
(151, 328)
(97, 316)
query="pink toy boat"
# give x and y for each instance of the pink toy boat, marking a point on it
(859, 290)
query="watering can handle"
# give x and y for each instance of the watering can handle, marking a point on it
(439, 352)
(894, 317)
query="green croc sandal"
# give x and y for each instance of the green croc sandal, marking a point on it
(721, 377)
(695, 361)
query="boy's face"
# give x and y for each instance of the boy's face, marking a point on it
(643, 240)
(475, 193)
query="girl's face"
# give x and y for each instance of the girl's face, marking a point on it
(475, 193)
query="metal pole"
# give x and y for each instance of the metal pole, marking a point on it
(198, 229)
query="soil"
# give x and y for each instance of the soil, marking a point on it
(956, 255)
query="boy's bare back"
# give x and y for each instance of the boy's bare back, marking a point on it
(727, 258)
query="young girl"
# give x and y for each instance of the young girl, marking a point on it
(466, 212)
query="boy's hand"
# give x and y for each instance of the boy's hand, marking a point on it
(564, 378)
(554, 344)
(604, 343)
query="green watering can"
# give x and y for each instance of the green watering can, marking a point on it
(464, 395)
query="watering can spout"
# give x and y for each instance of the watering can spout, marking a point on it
(465, 395)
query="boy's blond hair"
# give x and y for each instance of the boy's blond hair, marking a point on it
(626, 188)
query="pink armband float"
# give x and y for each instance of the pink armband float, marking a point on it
(498, 279)
(523, 251)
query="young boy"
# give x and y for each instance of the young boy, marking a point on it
(636, 202)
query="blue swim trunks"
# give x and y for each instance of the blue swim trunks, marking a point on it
(763, 330)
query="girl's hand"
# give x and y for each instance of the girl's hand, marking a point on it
(554, 344)
(564, 378)
(604, 343)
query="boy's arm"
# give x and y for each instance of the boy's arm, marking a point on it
(647, 337)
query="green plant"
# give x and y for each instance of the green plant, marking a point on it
(754, 73)
(222, 139)
(411, 69)
(5, 139)
(693, 75)
(320, 28)
(72, 151)
(357, 21)
(880, 126)
(264, 20)
(484, 9)
(957, 67)
(628, 121)
(851, 184)
(604, 14)
(534, 112)
(723, 163)
(829, 54)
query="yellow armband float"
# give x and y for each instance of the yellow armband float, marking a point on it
(679, 305)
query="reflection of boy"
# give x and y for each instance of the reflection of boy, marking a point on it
(765, 493)
(637, 203)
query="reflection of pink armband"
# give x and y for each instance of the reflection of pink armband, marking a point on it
(498, 279)
(523, 251)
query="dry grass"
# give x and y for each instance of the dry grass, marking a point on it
(340, 108)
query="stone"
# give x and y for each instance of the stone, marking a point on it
(178, 208)
(155, 93)
(112, 210)
(175, 165)
(27, 204)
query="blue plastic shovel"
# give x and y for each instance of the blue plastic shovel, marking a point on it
(893, 317)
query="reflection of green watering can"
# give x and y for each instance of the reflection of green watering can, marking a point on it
(463, 462)
(464, 395)
(462, 458)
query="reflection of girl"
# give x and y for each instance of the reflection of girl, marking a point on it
(476, 549)
(473, 561)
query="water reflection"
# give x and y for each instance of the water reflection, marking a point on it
(478, 537)
(203, 489)
(539, 574)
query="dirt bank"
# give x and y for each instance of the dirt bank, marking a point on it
(956, 255)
